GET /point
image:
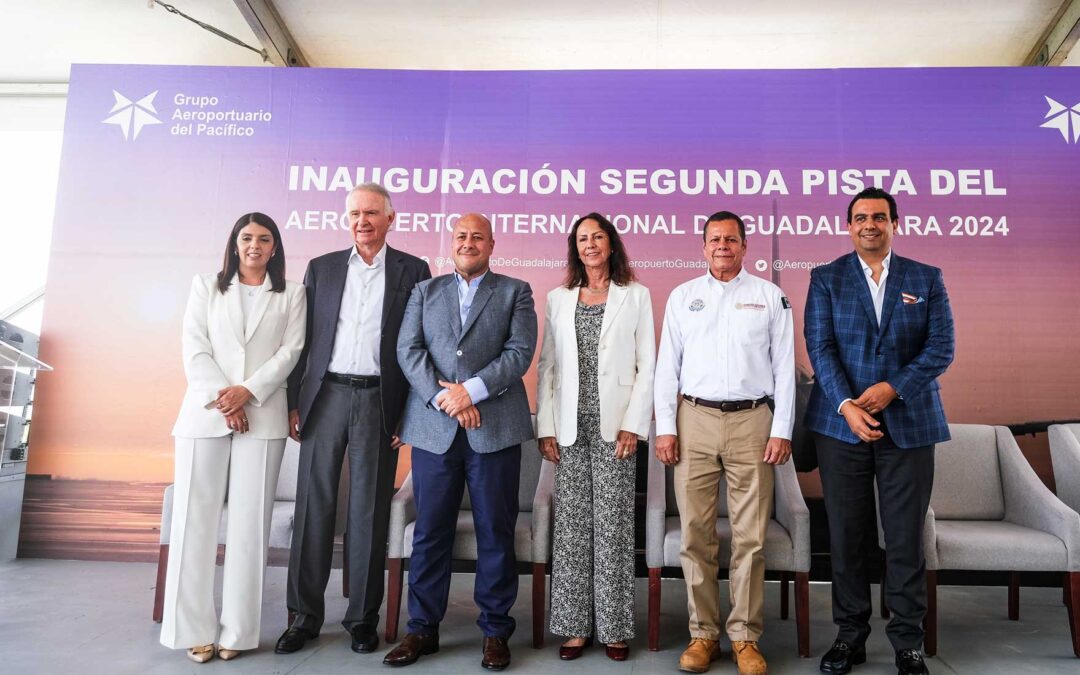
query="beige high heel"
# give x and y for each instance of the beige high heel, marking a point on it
(227, 654)
(201, 654)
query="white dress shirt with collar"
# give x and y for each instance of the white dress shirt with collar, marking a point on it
(727, 341)
(877, 290)
(359, 325)
(877, 294)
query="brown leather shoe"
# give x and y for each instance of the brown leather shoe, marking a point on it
(412, 647)
(496, 653)
(699, 655)
(569, 653)
(748, 658)
(617, 652)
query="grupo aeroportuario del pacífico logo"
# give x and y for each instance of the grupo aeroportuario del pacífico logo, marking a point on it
(1063, 118)
(193, 115)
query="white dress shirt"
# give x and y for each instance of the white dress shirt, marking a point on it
(249, 295)
(877, 294)
(877, 291)
(727, 341)
(359, 325)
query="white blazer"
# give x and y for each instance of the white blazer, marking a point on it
(220, 351)
(626, 360)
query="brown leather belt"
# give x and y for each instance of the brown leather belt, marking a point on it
(358, 381)
(726, 406)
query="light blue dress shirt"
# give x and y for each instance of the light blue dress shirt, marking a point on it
(466, 291)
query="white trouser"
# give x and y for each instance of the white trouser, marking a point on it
(249, 466)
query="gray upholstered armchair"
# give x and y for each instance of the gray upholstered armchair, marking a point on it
(532, 536)
(787, 541)
(1065, 455)
(990, 511)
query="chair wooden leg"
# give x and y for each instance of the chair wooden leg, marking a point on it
(1073, 582)
(802, 612)
(1014, 596)
(539, 578)
(930, 622)
(881, 590)
(784, 594)
(159, 587)
(1065, 589)
(654, 609)
(393, 597)
(345, 564)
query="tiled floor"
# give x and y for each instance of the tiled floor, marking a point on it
(78, 618)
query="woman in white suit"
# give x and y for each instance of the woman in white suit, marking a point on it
(243, 333)
(594, 403)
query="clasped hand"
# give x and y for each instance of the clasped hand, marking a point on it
(454, 400)
(859, 413)
(231, 400)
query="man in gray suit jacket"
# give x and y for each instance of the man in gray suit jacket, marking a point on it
(345, 400)
(466, 341)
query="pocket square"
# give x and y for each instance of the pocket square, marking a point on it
(910, 299)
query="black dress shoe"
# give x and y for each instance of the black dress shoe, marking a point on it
(910, 662)
(496, 653)
(842, 656)
(412, 647)
(364, 639)
(293, 640)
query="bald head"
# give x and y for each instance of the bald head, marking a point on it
(472, 245)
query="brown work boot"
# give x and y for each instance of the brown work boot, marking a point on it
(699, 655)
(747, 657)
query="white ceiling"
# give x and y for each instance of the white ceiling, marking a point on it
(40, 39)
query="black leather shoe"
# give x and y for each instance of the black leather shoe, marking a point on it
(842, 656)
(293, 640)
(910, 662)
(364, 639)
(412, 647)
(496, 653)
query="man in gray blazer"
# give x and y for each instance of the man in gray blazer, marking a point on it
(466, 341)
(345, 399)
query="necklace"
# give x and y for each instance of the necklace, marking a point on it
(251, 290)
(597, 291)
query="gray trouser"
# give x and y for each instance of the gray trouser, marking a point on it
(343, 419)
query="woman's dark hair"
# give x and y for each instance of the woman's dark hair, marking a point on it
(275, 267)
(618, 264)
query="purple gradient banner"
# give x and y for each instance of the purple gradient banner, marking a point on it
(158, 162)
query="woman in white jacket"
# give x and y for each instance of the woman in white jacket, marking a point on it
(243, 333)
(594, 403)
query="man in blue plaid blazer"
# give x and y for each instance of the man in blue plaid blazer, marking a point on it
(879, 332)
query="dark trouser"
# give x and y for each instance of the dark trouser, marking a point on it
(905, 478)
(438, 482)
(343, 419)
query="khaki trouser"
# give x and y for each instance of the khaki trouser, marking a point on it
(713, 445)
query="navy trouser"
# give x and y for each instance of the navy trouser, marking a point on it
(905, 478)
(438, 483)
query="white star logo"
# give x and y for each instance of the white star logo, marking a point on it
(130, 116)
(1059, 117)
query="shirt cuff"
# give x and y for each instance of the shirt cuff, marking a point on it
(478, 391)
(432, 401)
(841, 406)
(666, 428)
